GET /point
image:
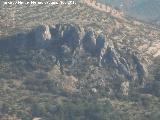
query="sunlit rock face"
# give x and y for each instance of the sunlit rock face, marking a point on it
(42, 34)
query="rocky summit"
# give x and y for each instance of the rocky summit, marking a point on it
(77, 62)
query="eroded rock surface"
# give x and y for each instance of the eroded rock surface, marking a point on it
(77, 50)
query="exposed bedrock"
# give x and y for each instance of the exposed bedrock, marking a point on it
(64, 41)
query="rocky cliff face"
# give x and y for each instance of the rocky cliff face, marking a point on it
(108, 56)
(77, 55)
(68, 43)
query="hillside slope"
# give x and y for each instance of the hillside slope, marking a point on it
(77, 63)
(145, 10)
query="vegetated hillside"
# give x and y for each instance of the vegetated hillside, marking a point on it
(77, 63)
(145, 10)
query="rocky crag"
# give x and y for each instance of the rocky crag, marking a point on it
(79, 53)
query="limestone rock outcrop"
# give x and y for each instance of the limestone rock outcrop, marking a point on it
(65, 41)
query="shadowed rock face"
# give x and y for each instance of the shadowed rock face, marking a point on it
(100, 48)
(65, 39)
(100, 41)
(67, 34)
(113, 60)
(111, 57)
(141, 72)
(89, 42)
